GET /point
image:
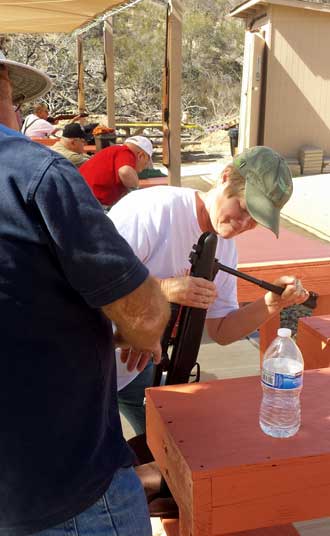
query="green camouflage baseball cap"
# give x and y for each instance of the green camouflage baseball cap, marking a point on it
(268, 184)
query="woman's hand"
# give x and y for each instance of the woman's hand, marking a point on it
(189, 291)
(293, 294)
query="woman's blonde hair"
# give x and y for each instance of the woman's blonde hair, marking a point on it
(236, 184)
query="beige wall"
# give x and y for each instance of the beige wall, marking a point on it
(249, 114)
(298, 82)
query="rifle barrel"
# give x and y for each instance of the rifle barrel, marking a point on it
(310, 302)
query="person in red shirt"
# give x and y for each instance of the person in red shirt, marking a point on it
(114, 170)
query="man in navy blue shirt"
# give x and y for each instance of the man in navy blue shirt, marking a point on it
(65, 467)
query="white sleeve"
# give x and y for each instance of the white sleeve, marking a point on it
(226, 284)
(47, 127)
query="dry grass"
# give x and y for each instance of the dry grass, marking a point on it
(216, 142)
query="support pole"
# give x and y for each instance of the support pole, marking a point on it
(80, 67)
(175, 69)
(110, 71)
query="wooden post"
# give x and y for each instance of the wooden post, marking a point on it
(81, 86)
(110, 71)
(174, 62)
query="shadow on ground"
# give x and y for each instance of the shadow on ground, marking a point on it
(208, 377)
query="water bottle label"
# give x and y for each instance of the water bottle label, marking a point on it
(282, 381)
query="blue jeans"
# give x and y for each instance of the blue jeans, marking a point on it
(131, 399)
(121, 511)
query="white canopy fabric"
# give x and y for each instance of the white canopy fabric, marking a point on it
(43, 16)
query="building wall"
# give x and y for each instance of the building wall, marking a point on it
(298, 81)
(248, 118)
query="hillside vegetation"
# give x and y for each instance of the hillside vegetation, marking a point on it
(212, 62)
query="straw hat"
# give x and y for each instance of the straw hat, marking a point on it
(27, 82)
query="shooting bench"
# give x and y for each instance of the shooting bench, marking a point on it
(50, 141)
(315, 274)
(264, 257)
(45, 141)
(154, 181)
(225, 474)
(313, 339)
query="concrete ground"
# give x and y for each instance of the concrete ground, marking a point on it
(236, 360)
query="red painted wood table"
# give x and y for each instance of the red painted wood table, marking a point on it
(313, 339)
(154, 181)
(225, 474)
(262, 256)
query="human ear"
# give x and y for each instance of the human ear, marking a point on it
(223, 178)
(225, 175)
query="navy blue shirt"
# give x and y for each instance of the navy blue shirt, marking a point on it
(61, 259)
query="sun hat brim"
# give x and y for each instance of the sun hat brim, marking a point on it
(27, 82)
(262, 209)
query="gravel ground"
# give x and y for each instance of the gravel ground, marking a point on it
(290, 316)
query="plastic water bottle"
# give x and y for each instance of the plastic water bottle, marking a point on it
(281, 381)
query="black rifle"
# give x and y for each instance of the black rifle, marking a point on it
(191, 321)
(187, 342)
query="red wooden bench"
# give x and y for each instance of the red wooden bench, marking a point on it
(313, 339)
(154, 181)
(264, 257)
(226, 476)
(45, 141)
(315, 275)
(172, 528)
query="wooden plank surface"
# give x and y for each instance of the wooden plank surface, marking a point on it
(154, 181)
(313, 339)
(45, 141)
(207, 437)
(172, 528)
(260, 245)
(314, 273)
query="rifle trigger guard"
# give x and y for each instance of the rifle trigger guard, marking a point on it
(197, 374)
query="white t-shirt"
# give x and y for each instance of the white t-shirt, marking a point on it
(33, 126)
(161, 226)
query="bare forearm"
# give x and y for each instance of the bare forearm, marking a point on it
(239, 323)
(141, 316)
(128, 177)
(245, 320)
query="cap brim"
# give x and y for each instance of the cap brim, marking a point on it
(27, 82)
(261, 209)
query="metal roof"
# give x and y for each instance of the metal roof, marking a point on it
(249, 8)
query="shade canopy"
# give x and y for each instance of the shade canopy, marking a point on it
(36, 16)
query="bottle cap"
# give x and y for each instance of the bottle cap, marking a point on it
(284, 332)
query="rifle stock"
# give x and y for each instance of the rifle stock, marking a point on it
(191, 321)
